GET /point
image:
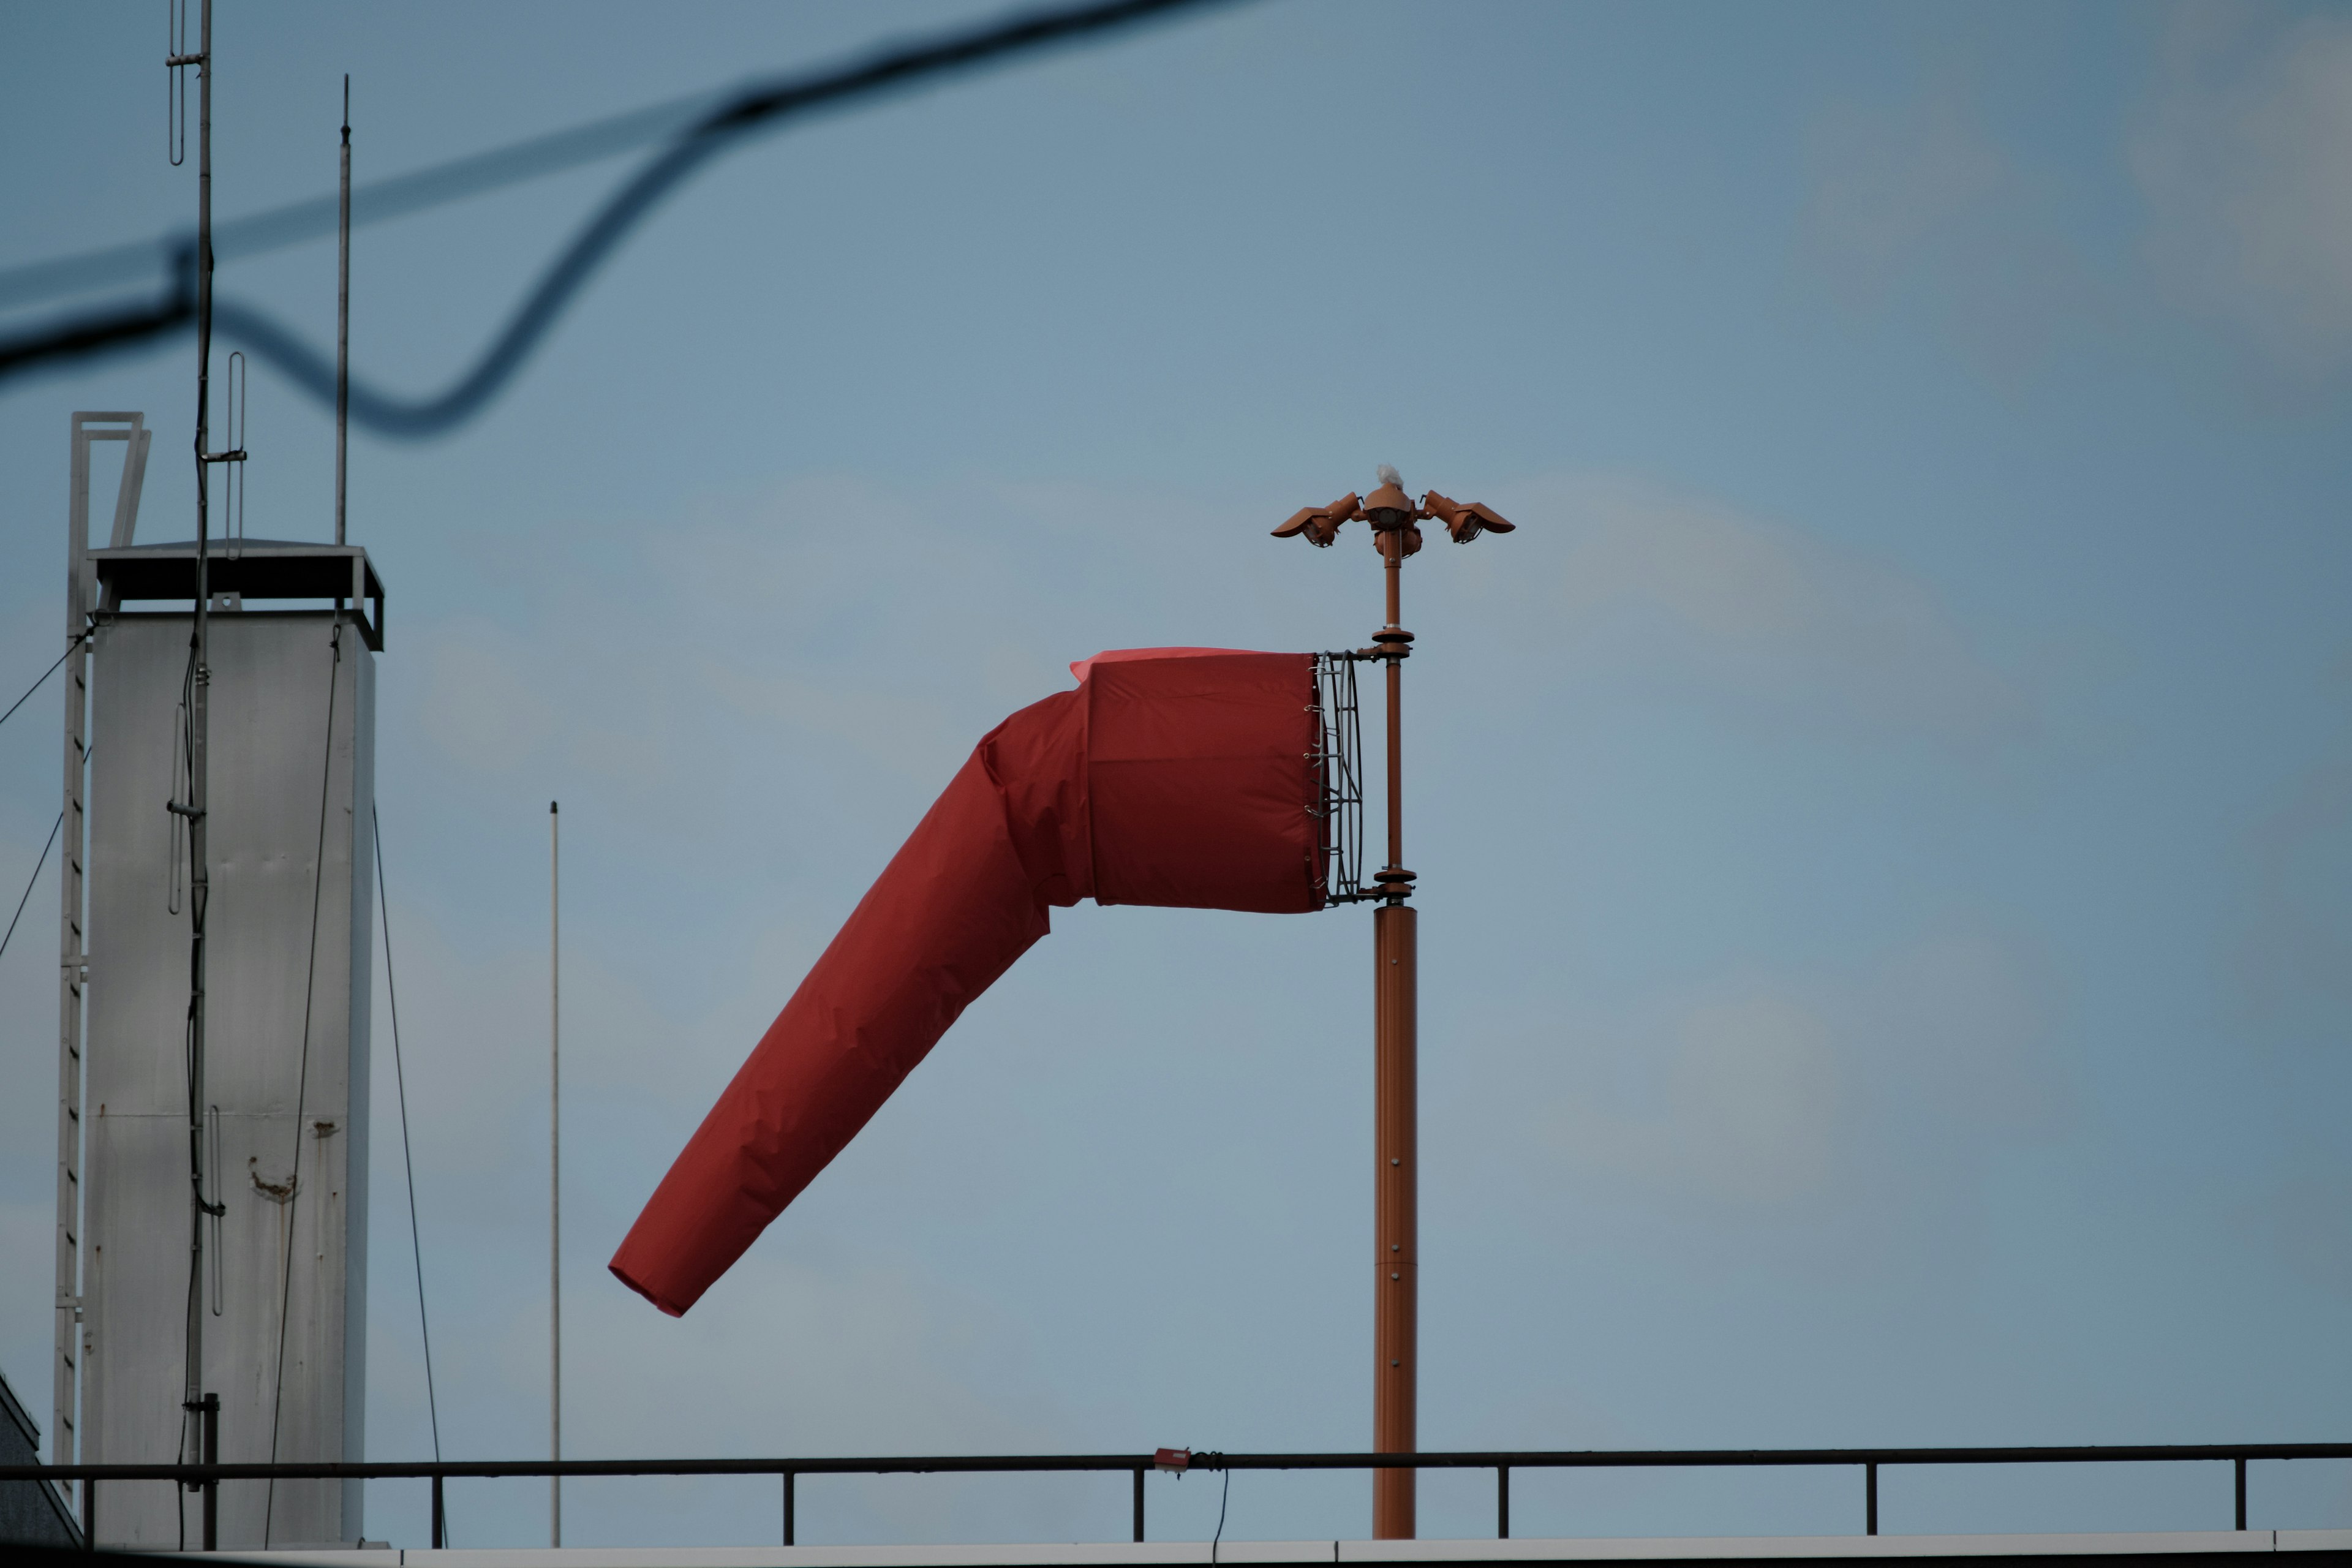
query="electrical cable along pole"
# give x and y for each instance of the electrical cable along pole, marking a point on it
(1396, 1279)
(197, 1401)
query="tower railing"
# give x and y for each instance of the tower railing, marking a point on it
(94, 1479)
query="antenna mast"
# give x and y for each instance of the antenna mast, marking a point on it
(343, 310)
(555, 1173)
(199, 736)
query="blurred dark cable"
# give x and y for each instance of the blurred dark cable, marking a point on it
(757, 109)
(257, 233)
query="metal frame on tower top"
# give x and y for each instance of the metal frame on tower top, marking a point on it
(73, 957)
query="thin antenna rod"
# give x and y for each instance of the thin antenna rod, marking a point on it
(555, 1173)
(343, 310)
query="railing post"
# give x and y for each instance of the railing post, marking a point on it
(2242, 1492)
(788, 1507)
(1502, 1502)
(1870, 1498)
(89, 1514)
(210, 1404)
(1139, 1502)
(440, 1519)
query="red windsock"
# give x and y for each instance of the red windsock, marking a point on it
(1171, 776)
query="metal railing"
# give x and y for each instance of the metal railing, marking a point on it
(1503, 1462)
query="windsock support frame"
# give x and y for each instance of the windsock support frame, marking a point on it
(1339, 761)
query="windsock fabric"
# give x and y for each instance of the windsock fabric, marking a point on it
(1183, 777)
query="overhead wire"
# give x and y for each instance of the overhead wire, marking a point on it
(758, 108)
(181, 816)
(184, 791)
(179, 813)
(400, 1078)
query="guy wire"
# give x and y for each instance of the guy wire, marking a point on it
(400, 1077)
(36, 876)
(302, 1081)
(71, 644)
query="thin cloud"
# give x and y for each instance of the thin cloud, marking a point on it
(484, 709)
(1917, 198)
(1745, 1111)
(2294, 962)
(1798, 1098)
(2243, 152)
(1658, 585)
(1886, 184)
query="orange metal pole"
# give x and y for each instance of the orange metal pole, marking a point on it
(1394, 518)
(1396, 1121)
(1397, 1282)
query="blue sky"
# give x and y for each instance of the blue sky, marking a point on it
(1886, 818)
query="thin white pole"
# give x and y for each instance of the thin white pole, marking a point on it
(554, 1174)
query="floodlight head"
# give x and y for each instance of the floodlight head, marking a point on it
(1320, 524)
(1466, 521)
(1479, 518)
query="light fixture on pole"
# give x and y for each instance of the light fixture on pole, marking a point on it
(1394, 518)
